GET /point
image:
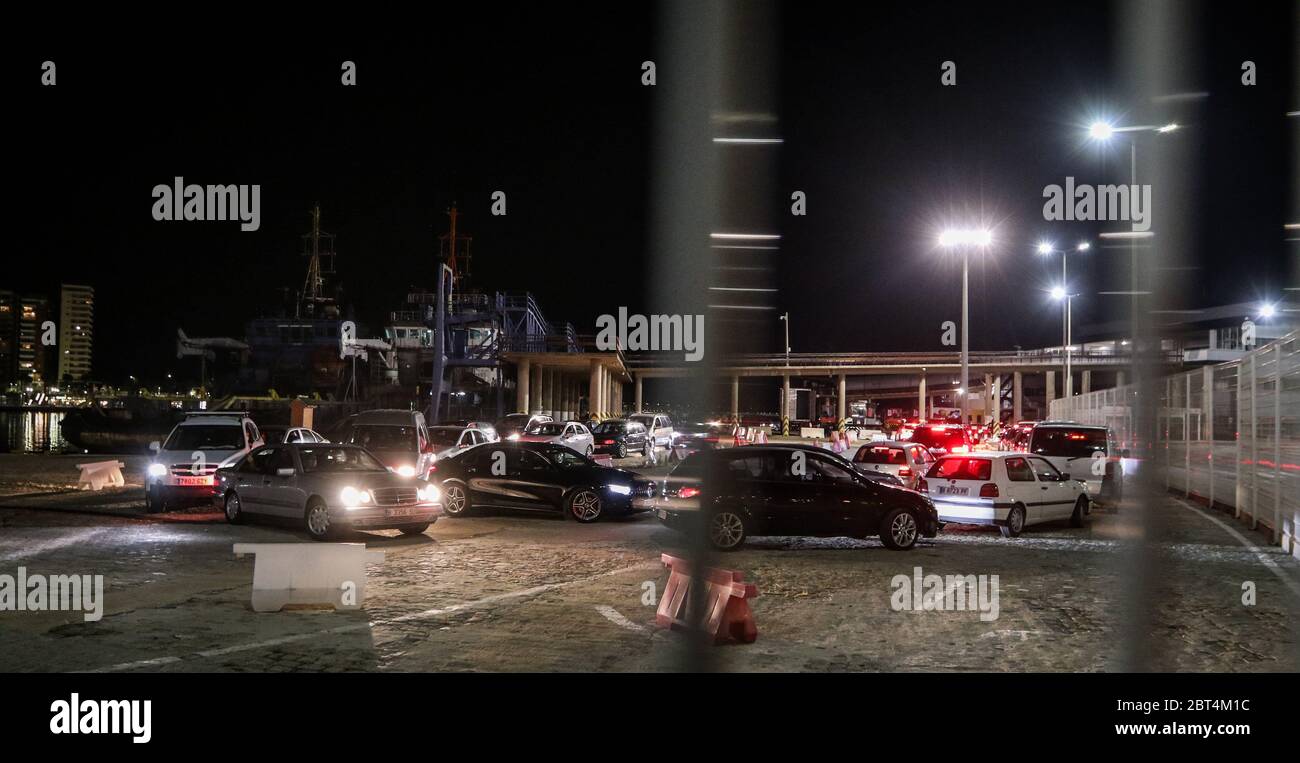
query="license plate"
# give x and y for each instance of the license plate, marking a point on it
(190, 481)
(402, 511)
(949, 490)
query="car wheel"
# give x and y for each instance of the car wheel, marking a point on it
(899, 530)
(1117, 487)
(584, 505)
(234, 510)
(414, 529)
(1015, 522)
(649, 453)
(317, 520)
(1080, 509)
(455, 499)
(590, 451)
(620, 451)
(727, 530)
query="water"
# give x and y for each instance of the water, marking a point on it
(31, 431)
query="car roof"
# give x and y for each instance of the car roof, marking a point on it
(386, 416)
(889, 444)
(1067, 425)
(219, 420)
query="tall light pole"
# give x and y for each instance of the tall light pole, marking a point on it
(1060, 294)
(965, 240)
(1047, 248)
(785, 318)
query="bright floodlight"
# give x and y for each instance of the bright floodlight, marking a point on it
(1044, 248)
(1267, 310)
(1101, 131)
(1083, 246)
(1058, 293)
(1168, 128)
(965, 237)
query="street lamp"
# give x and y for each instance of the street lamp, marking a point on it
(1047, 248)
(965, 239)
(1267, 310)
(785, 318)
(1060, 294)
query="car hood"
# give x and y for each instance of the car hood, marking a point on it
(220, 458)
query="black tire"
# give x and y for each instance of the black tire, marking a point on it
(584, 505)
(455, 499)
(414, 529)
(727, 530)
(590, 451)
(899, 529)
(648, 453)
(1080, 509)
(234, 509)
(620, 450)
(1117, 487)
(153, 503)
(316, 520)
(1015, 522)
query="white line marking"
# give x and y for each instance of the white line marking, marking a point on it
(616, 617)
(428, 613)
(33, 549)
(1264, 558)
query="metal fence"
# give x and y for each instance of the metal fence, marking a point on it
(1227, 435)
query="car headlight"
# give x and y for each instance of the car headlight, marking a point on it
(157, 470)
(428, 494)
(620, 489)
(406, 471)
(513, 437)
(353, 497)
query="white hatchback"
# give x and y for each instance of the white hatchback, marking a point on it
(1009, 490)
(907, 461)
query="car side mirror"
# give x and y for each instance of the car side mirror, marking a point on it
(286, 472)
(155, 446)
(1065, 477)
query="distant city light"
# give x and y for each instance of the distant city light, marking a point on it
(1083, 246)
(1168, 128)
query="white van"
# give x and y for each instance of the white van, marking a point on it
(181, 471)
(1089, 453)
(1008, 490)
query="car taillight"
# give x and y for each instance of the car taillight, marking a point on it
(688, 492)
(989, 490)
(906, 471)
(923, 486)
(606, 442)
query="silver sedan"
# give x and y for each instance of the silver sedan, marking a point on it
(327, 488)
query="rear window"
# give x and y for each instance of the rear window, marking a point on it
(1067, 442)
(378, 437)
(939, 437)
(962, 469)
(868, 454)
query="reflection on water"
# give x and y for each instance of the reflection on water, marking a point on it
(31, 431)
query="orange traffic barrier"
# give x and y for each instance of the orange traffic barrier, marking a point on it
(725, 617)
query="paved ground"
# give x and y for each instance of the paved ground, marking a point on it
(535, 593)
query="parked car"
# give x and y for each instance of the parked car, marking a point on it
(659, 426)
(398, 438)
(488, 429)
(694, 437)
(1008, 490)
(620, 437)
(570, 434)
(1090, 453)
(327, 487)
(273, 435)
(182, 470)
(943, 438)
(536, 476)
(908, 461)
(513, 426)
(450, 440)
(786, 490)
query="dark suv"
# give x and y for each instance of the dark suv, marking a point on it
(619, 437)
(786, 490)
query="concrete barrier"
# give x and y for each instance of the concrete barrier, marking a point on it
(95, 476)
(308, 574)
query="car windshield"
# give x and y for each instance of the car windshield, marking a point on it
(647, 420)
(206, 437)
(567, 458)
(868, 454)
(961, 469)
(444, 436)
(381, 437)
(337, 459)
(610, 427)
(939, 437)
(548, 430)
(712, 430)
(1068, 443)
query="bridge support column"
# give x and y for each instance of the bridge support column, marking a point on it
(996, 413)
(922, 399)
(735, 398)
(1086, 381)
(1051, 392)
(1120, 378)
(553, 392)
(594, 389)
(535, 399)
(1017, 397)
(841, 404)
(785, 404)
(523, 372)
(988, 398)
(638, 395)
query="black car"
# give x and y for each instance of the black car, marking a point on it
(787, 490)
(536, 476)
(619, 437)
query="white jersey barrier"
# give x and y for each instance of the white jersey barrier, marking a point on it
(95, 476)
(308, 574)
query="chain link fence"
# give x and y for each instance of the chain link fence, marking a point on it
(1227, 435)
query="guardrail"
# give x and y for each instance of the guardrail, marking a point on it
(1229, 434)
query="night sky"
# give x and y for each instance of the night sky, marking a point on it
(546, 104)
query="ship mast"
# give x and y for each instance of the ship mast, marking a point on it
(320, 263)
